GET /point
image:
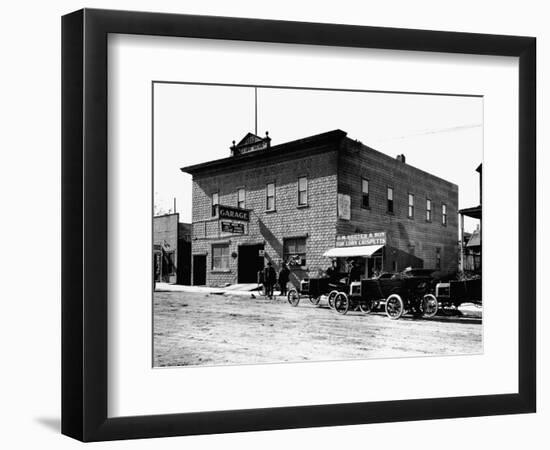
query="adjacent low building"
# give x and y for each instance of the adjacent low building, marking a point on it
(315, 199)
(171, 250)
(470, 245)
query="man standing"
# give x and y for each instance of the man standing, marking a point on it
(270, 276)
(284, 276)
(332, 273)
(354, 272)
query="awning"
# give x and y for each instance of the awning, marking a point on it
(344, 252)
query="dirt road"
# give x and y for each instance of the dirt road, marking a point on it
(209, 329)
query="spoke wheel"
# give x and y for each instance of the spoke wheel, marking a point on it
(331, 296)
(293, 297)
(314, 300)
(365, 306)
(341, 303)
(429, 305)
(394, 307)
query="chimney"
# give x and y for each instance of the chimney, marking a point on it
(401, 158)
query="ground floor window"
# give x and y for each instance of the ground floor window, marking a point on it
(220, 257)
(294, 251)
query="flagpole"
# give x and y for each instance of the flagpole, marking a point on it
(256, 111)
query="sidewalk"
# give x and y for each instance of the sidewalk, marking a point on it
(227, 290)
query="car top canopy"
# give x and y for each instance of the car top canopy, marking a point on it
(343, 252)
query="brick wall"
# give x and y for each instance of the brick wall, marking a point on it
(357, 161)
(317, 221)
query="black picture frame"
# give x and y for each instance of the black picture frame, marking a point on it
(84, 224)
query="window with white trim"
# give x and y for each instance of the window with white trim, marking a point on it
(220, 256)
(390, 199)
(241, 203)
(294, 251)
(270, 197)
(410, 211)
(364, 193)
(302, 191)
(215, 203)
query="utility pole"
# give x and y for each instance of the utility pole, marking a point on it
(256, 111)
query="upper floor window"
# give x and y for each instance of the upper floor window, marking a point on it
(390, 199)
(215, 203)
(241, 198)
(438, 258)
(444, 214)
(364, 193)
(270, 197)
(302, 191)
(428, 210)
(410, 211)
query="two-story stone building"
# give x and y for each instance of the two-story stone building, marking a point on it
(315, 199)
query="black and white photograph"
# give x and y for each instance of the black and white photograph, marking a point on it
(307, 224)
(265, 225)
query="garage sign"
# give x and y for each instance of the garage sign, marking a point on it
(229, 212)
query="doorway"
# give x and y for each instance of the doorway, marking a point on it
(199, 270)
(251, 261)
(374, 266)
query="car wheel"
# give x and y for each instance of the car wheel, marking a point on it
(341, 303)
(394, 307)
(293, 297)
(429, 305)
(331, 296)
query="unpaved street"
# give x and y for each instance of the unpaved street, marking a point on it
(210, 329)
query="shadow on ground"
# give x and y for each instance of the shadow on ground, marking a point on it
(53, 423)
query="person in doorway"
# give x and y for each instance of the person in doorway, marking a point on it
(284, 275)
(354, 272)
(270, 277)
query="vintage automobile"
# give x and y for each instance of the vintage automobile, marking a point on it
(407, 291)
(456, 292)
(313, 289)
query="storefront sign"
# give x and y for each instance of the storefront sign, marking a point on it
(355, 240)
(229, 212)
(232, 227)
(344, 206)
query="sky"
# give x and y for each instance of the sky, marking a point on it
(442, 135)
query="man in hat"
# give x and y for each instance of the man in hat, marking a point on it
(284, 276)
(354, 272)
(270, 277)
(332, 272)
